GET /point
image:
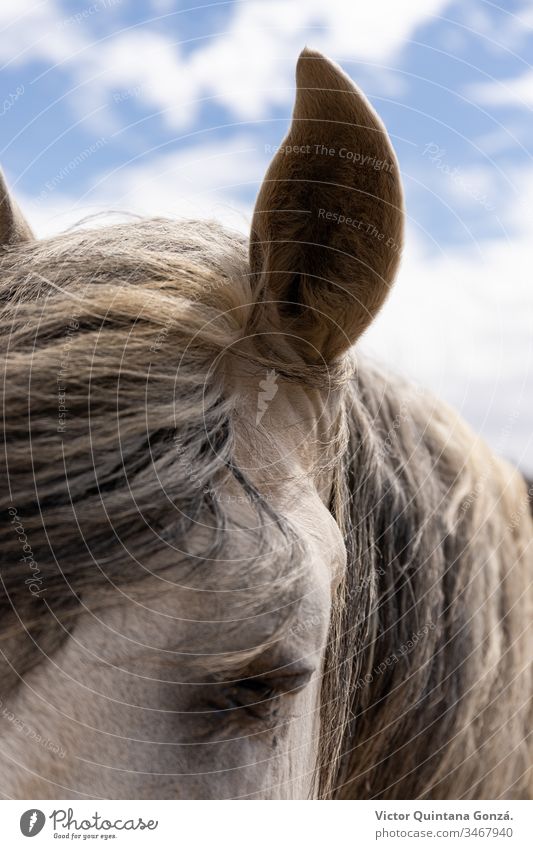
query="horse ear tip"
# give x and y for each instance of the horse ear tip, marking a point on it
(316, 71)
(13, 226)
(310, 53)
(310, 62)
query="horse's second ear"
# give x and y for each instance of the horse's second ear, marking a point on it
(328, 222)
(13, 226)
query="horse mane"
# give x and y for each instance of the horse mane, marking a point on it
(431, 637)
(424, 676)
(126, 327)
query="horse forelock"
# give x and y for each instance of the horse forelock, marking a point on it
(93, 320)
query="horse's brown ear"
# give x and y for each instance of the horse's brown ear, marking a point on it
(328, 221)
(13, 226)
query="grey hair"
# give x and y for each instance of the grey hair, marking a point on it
(118, 421)
(129, 329)
(429, 680)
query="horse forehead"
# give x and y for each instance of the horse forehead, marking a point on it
(260, 577)
(254, 550)
(286, 438)
(240, 602)
(285, 432)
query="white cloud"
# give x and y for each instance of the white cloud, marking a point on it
(503, 139)
(462, 324)
(498, 28)
(149, 66)
(249, 68)
(514, 91)
(203, 181)
(31, 31)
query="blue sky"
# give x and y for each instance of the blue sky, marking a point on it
(170, 107)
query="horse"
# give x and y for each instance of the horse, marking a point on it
(240, 560)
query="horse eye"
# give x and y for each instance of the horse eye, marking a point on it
(259, 695)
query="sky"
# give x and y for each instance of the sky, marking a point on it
(170, 108)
